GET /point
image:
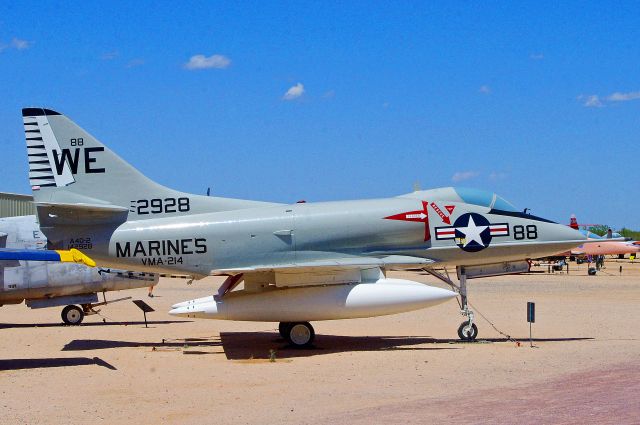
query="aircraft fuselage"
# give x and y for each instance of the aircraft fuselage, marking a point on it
(450, 233)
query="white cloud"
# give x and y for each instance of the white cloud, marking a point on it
(19, 44)
(623, 97)
(485, 89)
(464, 175)
(204, 62)
(596, 101)
(135, 62)
(590, 101)
(294, 92)
(536, 56)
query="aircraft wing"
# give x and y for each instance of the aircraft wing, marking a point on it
(61, 256)
(391, 261)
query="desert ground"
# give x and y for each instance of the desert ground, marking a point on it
(409, 368)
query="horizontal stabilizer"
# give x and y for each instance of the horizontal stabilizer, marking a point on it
(56, 213)
(83, 207)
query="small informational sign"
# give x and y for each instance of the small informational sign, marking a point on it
(143, 306)
(531, 318)
(531, 312)
(146, 308)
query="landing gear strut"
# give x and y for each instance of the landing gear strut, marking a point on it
(297, 334)
(468, 331)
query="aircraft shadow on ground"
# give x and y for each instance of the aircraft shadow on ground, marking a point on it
(522, 340)
(258, 345)
(16, 364)
(55, 325)
(104, 344)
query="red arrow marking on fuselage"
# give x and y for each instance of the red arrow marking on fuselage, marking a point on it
(420, 216)
(444, 218)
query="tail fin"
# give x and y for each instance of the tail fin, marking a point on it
(68, 166)
(573, 222)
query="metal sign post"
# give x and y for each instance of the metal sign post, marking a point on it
(531, 318)
(146, 308)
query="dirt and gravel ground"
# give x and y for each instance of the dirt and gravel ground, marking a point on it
(407, 368)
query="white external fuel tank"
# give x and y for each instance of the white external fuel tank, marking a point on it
(383, 297)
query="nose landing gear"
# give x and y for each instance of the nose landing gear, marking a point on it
(468, 331)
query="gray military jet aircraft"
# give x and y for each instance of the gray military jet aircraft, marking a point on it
(25, 275)
(299, 262)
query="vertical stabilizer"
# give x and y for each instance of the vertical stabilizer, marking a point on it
(67, 165)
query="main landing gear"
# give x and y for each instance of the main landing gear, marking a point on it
(298, 334)
(73, 315)
(468, 331)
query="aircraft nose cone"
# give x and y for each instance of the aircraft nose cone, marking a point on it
(554, 239)
(572, 237)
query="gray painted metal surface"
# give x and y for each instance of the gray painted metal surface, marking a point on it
(60, 301)
(38, 280)
(89, 198)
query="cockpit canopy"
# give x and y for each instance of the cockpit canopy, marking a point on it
(467, 195)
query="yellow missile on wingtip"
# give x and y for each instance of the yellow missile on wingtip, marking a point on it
(75, 256)
(62, 256)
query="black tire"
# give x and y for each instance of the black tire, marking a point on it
(283, 328)
(300, 334)
(467, 333)
(72, 315)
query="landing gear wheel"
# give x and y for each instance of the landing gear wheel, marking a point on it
(300, 334)
(72, 315)
(467, 331)
(283, 328)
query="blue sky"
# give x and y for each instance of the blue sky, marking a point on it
(539, 102)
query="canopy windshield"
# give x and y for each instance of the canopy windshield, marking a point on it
(484, 199)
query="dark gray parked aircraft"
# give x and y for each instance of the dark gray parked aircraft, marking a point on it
(41, 280)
